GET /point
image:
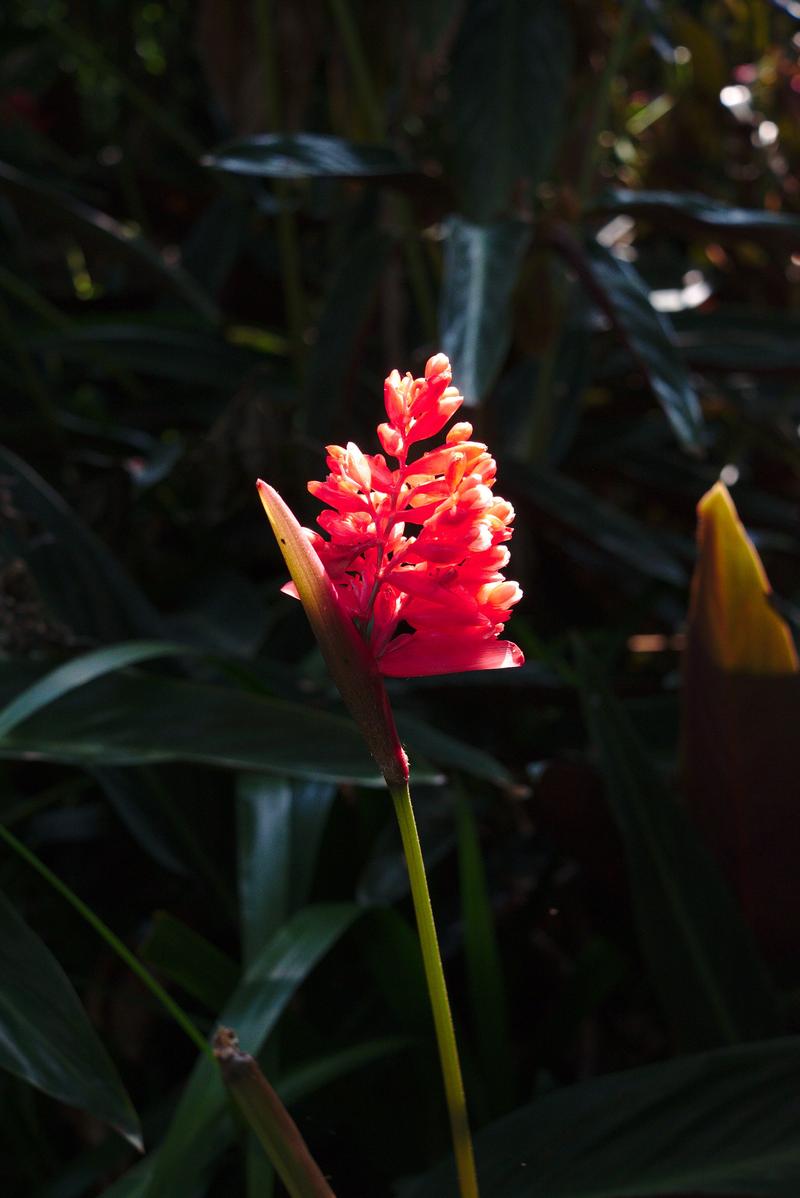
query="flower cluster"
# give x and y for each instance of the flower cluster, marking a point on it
(416, 553)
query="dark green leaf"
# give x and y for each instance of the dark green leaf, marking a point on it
(103, 231)
(204, 359)
(722, 1122)
(687, 209)
(449, 751)
(347, 306)
(201, 1125)
(484, 966)
(45, 1034)
(740, 339)
(481, 263)
(129, 720)
(76, 673)
(78, 577)
(264, 839)
(616, 533)
(306, 155)
(650, 338)
(186, 957)
(704, 966)
(511, 66)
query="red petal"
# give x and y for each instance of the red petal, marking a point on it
(414, 656)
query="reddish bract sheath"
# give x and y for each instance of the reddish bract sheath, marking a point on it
(424, 543)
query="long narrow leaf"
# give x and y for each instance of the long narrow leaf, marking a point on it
(45, 1034)
(722, 1122)
(707, 974)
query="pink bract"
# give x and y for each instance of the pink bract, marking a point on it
(423, 544)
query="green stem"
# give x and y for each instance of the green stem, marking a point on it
(371, 114)
(288, 242)
(114, 942)
(437, 989)
(601, 99)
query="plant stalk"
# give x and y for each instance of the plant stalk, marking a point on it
(437, 990)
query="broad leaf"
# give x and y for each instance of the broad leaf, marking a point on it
(187, 958)
(722, 1122)
(511, 66)
(45, 1035)
(133, 720)
(706, 972)
(623, 295)
(306, 155)
(481, 263)
(76, 673)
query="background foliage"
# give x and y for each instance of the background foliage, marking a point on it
(221, 225)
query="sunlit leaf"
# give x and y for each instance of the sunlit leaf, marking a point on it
(730, 613)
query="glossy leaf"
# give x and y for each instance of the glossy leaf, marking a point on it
(650, 338)
(705, 970)
(106, 233)
(129, 720)
(78, 577)
(481, 264)
(306, 156)
(720, 1122)
(45, 1034)
(510, 70)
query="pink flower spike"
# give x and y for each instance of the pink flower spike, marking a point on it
(421, 546)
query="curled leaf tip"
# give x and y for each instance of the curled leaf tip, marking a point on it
(730, 616)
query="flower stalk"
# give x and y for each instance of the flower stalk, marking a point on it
(437, 991)
(408, 583)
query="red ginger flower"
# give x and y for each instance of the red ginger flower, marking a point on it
(445, 580)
